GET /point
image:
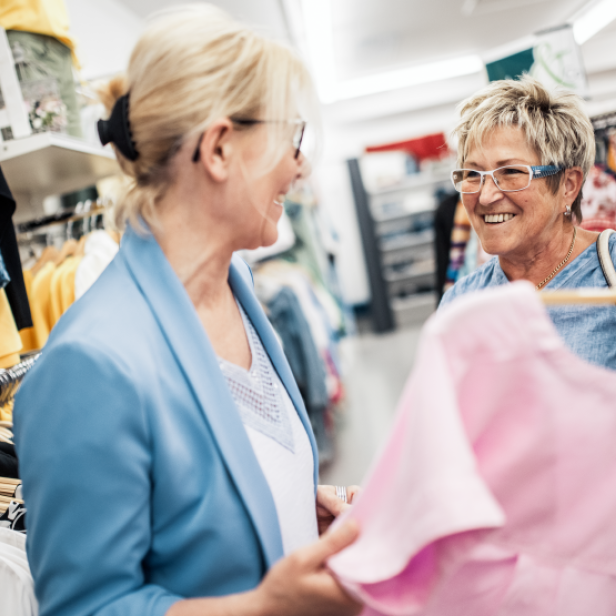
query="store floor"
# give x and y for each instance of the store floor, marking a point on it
(377, 367)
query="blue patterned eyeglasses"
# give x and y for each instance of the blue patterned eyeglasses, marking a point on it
(510, 178)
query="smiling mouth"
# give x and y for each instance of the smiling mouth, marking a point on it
(495, 219)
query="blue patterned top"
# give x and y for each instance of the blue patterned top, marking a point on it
(589, 331)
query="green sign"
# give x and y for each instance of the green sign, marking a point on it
(555, 60)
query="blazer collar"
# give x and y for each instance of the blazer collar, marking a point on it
(190, 344)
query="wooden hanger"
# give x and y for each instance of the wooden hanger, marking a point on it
(10, 481)
(578, 296)
(50, 253)
(69, 249)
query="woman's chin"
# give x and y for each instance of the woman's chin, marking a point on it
(269, 238)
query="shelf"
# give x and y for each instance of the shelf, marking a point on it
(51, 164)
(412, 273)
(421, 239)
(413, 182)
(404, 215)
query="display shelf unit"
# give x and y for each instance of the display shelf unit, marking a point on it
(51, 164)
(398, 241)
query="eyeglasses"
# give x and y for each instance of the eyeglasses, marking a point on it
(298, 134)
(507, 179)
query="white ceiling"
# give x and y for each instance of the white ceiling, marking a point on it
(264, 15)
(376, 35)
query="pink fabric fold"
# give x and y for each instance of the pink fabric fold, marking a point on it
(494, 493)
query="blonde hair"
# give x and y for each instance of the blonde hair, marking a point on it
(190, 67)
(554, 123)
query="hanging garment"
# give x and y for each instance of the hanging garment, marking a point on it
(10, 342)
(28, 335)
(494, 495)
(9, 466)
(443, 227)
(599, 200)
(16, 585)
(288, 319)
(4, 275)
(41, 303)
(62, 288)
(459, 238)
(14, 518)
(15, 289)
(99, 251)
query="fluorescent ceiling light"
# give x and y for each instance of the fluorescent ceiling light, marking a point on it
(318, 24)
(413, 76)
(594, 19)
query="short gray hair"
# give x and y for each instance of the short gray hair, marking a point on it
(554, 122)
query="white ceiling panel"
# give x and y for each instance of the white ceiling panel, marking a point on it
(376, 35)
(264, 15)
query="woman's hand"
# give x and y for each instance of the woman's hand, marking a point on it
(298, 585)
(301, 585)
(329, 506)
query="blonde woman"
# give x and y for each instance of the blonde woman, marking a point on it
(524, 153)
(167, 459)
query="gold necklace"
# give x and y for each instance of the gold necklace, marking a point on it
(541, 284)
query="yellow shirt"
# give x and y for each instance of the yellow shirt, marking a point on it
(62, 288)
(67, 286)
(10, 342)
(28, 336)
(40, 306)
(48, 17)
(55, 299)
(6, 411)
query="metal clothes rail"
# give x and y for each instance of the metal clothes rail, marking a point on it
(11, 379)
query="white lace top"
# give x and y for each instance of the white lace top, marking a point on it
(279, 441)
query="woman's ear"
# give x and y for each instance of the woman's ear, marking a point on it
(216, 149)
(573, 182)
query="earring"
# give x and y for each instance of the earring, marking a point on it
(568, 212)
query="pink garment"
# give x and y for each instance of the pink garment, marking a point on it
(599, 195)
(495, 495)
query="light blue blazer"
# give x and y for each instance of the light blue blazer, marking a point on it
(140, 481)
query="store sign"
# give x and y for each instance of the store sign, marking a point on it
(555, 60)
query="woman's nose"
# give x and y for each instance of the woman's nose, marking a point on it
(490, 192)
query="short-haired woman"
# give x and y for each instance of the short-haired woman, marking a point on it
(167, 459)
(524, 153)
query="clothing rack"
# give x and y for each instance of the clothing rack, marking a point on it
(11, 379)
(25, 231)
(605, 120)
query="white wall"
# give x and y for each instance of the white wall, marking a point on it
(106, 32)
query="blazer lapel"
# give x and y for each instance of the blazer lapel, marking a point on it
(244, 293)
(189, 342)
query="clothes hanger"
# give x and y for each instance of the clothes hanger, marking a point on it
(50, 253)
(578, 296)
(68, 250)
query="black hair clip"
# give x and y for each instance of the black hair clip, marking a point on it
(116, 129)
